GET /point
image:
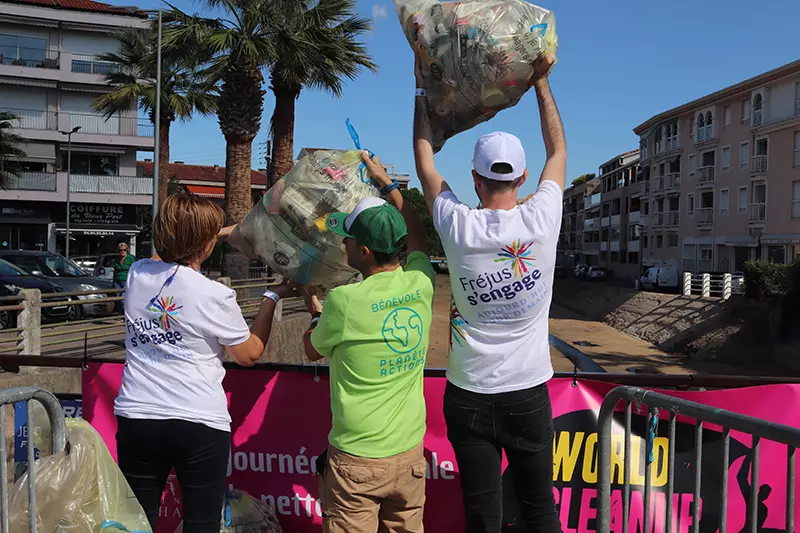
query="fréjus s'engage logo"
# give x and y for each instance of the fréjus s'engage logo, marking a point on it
(518, 275)
(402, 330)
(520, 256)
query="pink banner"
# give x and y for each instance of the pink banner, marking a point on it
(281, 421)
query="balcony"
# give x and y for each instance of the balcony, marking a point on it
(757, 213)
(605, 222)
(634, 246)
(672, 182)
(115, 125)
(704, 217)
(134, 185)
(32, 119)
(705, 176)
(591, 224)
(758, 166)
(30, 57)
(635, 217)
(670, 218)
(591, 248)
(645, 187)
(657, 219)
(592, 200)
(32, 181)
(89, 64)
(603, 246)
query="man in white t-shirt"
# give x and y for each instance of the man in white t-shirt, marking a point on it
(501, 260)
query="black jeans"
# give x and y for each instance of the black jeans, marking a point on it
(480, 427)
(149, 449)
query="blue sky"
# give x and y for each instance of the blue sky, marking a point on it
(620, 62)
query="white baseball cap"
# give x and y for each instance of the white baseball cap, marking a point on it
(499, 147)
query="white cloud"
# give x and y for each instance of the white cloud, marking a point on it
(379, 11)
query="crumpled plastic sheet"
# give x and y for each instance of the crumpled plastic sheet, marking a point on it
(476, 55)
(244, 514)
(286, 228)
(81, 490)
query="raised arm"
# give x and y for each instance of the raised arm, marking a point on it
(416, 235)
(555, 168)
(432, 182)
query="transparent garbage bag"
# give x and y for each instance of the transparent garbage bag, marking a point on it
(81, 490)
(476, 56)
(286, 228)
(244, 514)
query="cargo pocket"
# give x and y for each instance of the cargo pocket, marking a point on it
(361, 473)
(419, 470)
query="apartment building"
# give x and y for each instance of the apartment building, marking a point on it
(579, 239)
(49, 76)
(620, 212)
(724, 177)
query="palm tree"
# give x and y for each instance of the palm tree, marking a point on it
(183, 90)
(303, 42)
(10, 152)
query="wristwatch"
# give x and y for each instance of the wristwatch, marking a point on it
(386, 189)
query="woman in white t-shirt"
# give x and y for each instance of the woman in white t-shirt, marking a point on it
(171, 409)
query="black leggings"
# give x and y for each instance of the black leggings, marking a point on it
(149, 449)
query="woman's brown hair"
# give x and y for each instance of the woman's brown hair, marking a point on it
(184, 226)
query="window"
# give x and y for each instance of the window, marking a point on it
(659, 241)
(615, 257)
(634, 232)
(645, 241)
(692, 164)
(672, 240)
(726, 158)
(796, 199)
(797, 148)
(24, 51)
(758, 110)
(742, 200)
(95, 164)
(724, 201)
(690, 203)
(701, 127)
(615, 234)
(708, 125)
(797, 98)
(727, 114)
(633, 258)
(744, 154)
(745, 110)
(645, 208)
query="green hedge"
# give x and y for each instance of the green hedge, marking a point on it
(764, 280)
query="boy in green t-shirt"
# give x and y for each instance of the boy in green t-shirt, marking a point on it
(375, 335)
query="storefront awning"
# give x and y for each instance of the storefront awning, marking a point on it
(206, 191)
(98, 230)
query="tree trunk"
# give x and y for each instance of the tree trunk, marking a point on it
(283, 130)
(238, 199)
(163, 170)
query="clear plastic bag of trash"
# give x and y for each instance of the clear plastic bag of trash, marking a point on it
(476, 56)
(244, 514)
(81, 490)
(286, 228)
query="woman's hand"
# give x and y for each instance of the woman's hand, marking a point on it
(542, 66)
(312, 300)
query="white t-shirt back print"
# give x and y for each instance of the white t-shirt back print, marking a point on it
(177, 324)
(501, 266)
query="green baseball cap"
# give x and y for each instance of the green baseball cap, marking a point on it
(373, 223)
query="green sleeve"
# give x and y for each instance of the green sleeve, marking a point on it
(330, 329)
(422, 263)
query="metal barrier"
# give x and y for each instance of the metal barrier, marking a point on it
(712, 285)
(701, 414)
(58, 439)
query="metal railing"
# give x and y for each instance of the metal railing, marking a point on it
(706, 175)
(758, 165)
(704, 216)
(32, 181)
(32, 119)
(58, 438)
(757, 213)
(645, 187)
(30, 57)
(658, 219)
(89, 64)
(100, 184)
(710, 285)
(114, 125)
(671, 218)
(702, 414)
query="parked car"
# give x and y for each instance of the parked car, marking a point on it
(596, 273)
(104, 268)
(580, 270)
(66, 274)
(13, 279)
(86, 262)
(737, 282)
(659, 278)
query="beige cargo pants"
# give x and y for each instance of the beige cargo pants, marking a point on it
(361, 495)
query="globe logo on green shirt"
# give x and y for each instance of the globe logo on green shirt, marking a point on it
(402, 330)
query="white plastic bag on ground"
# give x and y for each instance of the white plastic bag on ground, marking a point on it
(476, 56)
(244, 514)
(79, 491)
(286, 228)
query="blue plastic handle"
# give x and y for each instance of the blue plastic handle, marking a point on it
(353, 133)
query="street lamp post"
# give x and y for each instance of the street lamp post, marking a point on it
(69, 168)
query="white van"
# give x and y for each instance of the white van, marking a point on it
(659, 278)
